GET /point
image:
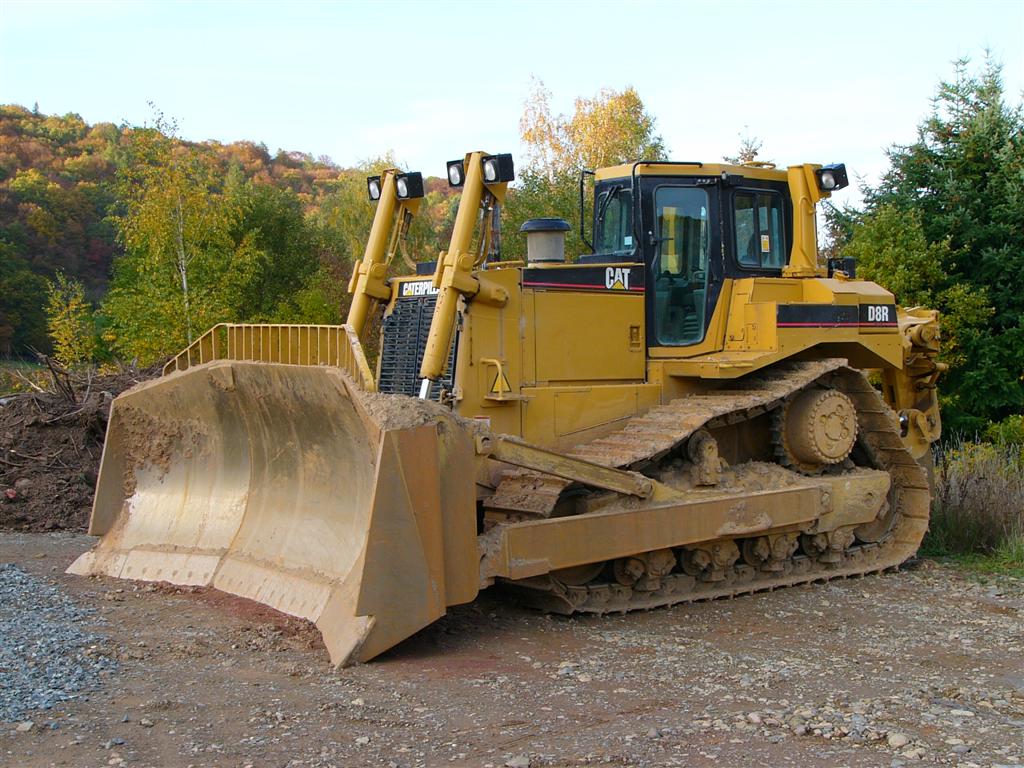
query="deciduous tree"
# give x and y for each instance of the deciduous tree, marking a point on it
(69, 319)
(181, 263)
(750, 148)
(610, 128)
(22, 298)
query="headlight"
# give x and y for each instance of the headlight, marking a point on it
(409, 185)
(498, 168)
(832, 177)
(373, 187)
(456, 173)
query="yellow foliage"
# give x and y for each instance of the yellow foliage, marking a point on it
(70, 322)
(42, 222)
(611, 128)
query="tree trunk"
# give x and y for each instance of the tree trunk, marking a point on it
(183, 267)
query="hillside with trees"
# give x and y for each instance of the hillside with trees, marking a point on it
(120, 210)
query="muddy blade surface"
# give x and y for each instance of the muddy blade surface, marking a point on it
(289, 486)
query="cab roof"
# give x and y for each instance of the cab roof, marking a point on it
(764, 172)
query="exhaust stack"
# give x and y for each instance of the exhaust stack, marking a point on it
(545, 240)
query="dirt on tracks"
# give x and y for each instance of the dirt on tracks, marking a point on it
(923, 667)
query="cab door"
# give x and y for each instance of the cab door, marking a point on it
(681, 238)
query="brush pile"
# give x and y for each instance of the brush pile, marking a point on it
(51, 440)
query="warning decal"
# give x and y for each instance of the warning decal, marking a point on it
(500, 384)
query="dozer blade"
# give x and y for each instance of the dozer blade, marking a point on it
(289, 486)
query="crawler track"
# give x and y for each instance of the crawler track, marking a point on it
(644, 440)
(647, 439)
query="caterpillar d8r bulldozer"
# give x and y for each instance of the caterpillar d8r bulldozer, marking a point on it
(696, 409)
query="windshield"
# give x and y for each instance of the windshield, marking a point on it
(614, 221)
(680, 266)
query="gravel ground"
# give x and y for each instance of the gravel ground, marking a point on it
(922, 667)
(45, 656)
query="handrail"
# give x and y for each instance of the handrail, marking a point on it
(202, 350)
(287, 344)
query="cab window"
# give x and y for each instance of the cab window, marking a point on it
(680, 264)
(614, 221)
(759, 238)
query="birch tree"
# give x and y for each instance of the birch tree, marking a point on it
(181, 261)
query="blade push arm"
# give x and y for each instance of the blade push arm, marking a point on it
(368, 284)
(455, 274)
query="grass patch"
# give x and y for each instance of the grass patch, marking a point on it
(996, 564)
(978, 510)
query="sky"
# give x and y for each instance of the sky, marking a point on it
(814, 81)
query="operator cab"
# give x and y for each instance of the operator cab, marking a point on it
(692, 226)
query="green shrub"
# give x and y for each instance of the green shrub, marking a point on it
(19, 376)
(978, 508)
(1008, 431)
(70, 322)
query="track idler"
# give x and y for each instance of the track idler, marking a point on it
(645, 571)
(817, 428)
(709, 563)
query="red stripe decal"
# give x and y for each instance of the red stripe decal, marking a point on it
(579, 285)
(836, 324)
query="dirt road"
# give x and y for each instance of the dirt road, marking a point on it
(921, 667)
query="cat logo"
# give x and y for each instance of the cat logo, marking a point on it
(616, 278)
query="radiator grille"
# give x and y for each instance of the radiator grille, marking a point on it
(405, 338)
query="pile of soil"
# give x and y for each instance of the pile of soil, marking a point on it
(50, 447)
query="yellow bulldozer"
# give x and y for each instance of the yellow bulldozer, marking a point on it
(696, 409)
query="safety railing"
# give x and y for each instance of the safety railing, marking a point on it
(332, 345)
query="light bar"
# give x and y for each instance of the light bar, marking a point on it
(456, 173)
(832, 177)
(409, 185)
(373, 187)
